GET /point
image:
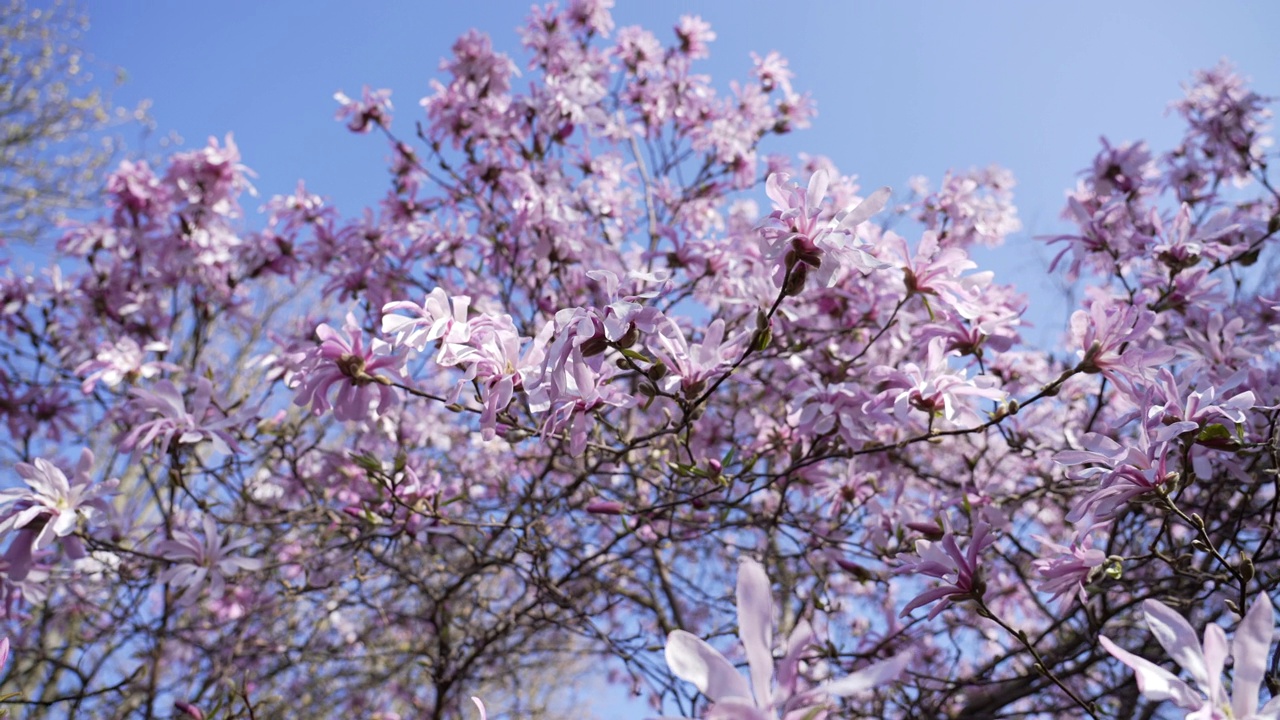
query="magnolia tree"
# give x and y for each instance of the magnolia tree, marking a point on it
(602, 392)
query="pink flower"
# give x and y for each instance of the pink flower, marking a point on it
(946, 561)
(437, 318)
(1066, 573)
(693, 660)
(695, 35)
(1112, 336)
(934, 387)
(690, 367)
(373, 108)
(342, 360)
(196, 561)
(1204, 663)
(52, 507)
(797, 238)
(120, 361)
(1125, 473)
(175, 424)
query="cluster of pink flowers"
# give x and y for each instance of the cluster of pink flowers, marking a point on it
(597, 341)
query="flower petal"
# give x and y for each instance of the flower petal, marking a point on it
(868, 677)
(1249, 647)
(755, 627)
(1155, 682)
(693, 660)
(1178, 638)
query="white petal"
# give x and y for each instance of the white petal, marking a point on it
(1178, 638)
(1155, 682)
(870, 676)
(755, 626)
(872, 205)
(693, 660)
(1249, 647)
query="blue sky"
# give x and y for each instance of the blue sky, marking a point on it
(902, 89)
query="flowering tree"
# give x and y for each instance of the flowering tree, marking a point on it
(596, 360)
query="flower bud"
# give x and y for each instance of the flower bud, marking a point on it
(795, 280)
(594, 346)
(630, 337)
(188, 709)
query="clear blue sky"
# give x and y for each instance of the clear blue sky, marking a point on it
(902, 88)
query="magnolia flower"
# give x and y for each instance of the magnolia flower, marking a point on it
(945, 560)
(695, 661)
(172, 422)
(196, 560)
(798, 239)
(343, 360)
(1205, 663)
(1066, 572)
(50, 507)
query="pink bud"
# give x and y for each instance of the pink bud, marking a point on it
(930, 530)
(605, 507)
(188, 709)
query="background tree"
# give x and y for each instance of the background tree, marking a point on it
(53, 110)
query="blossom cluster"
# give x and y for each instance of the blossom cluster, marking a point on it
(501, 433)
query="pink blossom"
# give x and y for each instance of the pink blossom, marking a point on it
(691, 366)
(961, 570)
(1068, 570)
(1205, 663)
(122, 360)
(695, 36)
(439, 317)
(197, 561)
(798, 239)
(373, 108)
(51, 507)
(693, 660)
(1124, 473)
(1113, 341)
(934, 387)
(342, 359)
(173, 423)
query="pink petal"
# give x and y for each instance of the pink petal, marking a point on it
(870, 676)
(755, 626)
(693, 660)
(736, 709)
(1155, 682)
(872, 205)
(1178, 638)
(1250, 646)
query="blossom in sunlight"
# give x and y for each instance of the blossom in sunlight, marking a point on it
(944, 560)
(1205, 663)
(51, 506)
(199, 561)
(797, 240)
(172, 422)
(439, 317)
(693, 660)
(373, 108)
(342, 360)
(122, 360)
(1067, 570)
